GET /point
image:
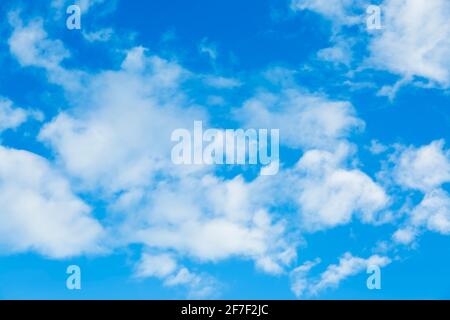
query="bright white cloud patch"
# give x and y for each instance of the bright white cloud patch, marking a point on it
(424, 168)
(164, 267)
(39, 212)
(305, 120)
(11, 117)
(115, 144)
(433, 212)
(212, 220)
(330, 194)
(415, 40)
(348, 266)
(29, 43)
(113, 139)
(404, 236)
(159, 266)
(117, 141)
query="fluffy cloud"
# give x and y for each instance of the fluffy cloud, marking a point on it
(116, 142)
(213, 220)
(29, 43)
(305, 120)
(349, 265)
(327, 191)
(415, 40)
(159, 266)
(424, 168)
(39, 212)
(12, 117)
(404, 236)
(164, 267)
(433, 212)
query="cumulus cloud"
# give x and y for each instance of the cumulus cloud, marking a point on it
(331, 194)
(156, 266)
(164, 267)
(305, 120)
(424, 168)
(12, 117)
(39, 212)
(115, 144)
(415, 40)
(213, 220)
(405, 235)
(327, 190)
(113, 141)
(348, 266)
(29, 43)
(433, 212)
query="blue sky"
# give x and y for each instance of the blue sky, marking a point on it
(86, 176)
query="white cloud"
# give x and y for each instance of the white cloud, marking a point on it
(39, 212)
(199, 286)
(221, 82)
(415, 40)
(328, 193)
(30, 44)
(424, 168)
(211, 220)
(404, 236)
(115, 144)
(341, 12)
(11, 117)
(114, 141)
(433, 212)
(377, 147)
(299, 277)
(340, 53)
(348, 266)
(164, 267)
(325, 188)
(305, 120)
(159, 266)
(208, 48)
(117, 140)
